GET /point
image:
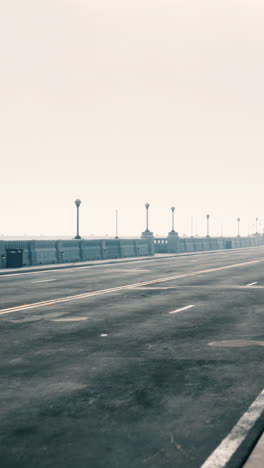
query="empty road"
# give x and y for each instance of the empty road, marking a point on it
(155, 363)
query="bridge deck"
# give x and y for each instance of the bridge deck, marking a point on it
(133, 364)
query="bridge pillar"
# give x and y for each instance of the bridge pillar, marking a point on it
(149, 235)
(173, 242)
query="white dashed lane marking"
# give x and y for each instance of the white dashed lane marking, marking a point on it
(181, 309)
(236, 343)
(43, 281)
(70, 319)
(142, 288)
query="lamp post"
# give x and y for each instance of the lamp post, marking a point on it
(116, 218)
(238, 227)
(207, 218)
(256, 225)
(192, 226)
(147, 205)
(77, 203)
(172, 218)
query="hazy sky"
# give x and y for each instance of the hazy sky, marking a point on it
(122, 102)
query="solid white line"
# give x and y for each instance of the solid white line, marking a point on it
(227, 448)
(43, 281)
(251, 284)
(121, 288)
(182, 308)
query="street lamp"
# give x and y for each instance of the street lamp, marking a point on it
(192, 226)
(238, 226)
(116, 213)
(256, 225)
(77, 203)
(147, 205)
(207, 217)
(172, 218)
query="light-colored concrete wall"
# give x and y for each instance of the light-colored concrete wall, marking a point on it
(127, 249)
(90, 249)
(144, 247)
(197, 244)
(38, 252)
(43, 252)
(69, 251)
(113, 248)
(62, 251)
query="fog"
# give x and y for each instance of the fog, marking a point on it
(120, 103)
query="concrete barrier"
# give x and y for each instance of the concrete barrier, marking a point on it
(112, 247)
(44, 252)
(68, 251)
(127, 248)
(90, 249)
(144, 247)
(197, 244)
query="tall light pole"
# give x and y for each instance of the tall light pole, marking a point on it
(77, 203)
(172, 218)
(116, 219)
(207, 218)
(192, 226)
(238, 227)
(256, 225)
(147, 205)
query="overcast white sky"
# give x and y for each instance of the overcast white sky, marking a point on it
(122, 102)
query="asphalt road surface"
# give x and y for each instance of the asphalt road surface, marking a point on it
(134, 365)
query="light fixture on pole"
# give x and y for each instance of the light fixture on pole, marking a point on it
(256, 225)
(77, 203)
(238, 227)
(207, 218)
